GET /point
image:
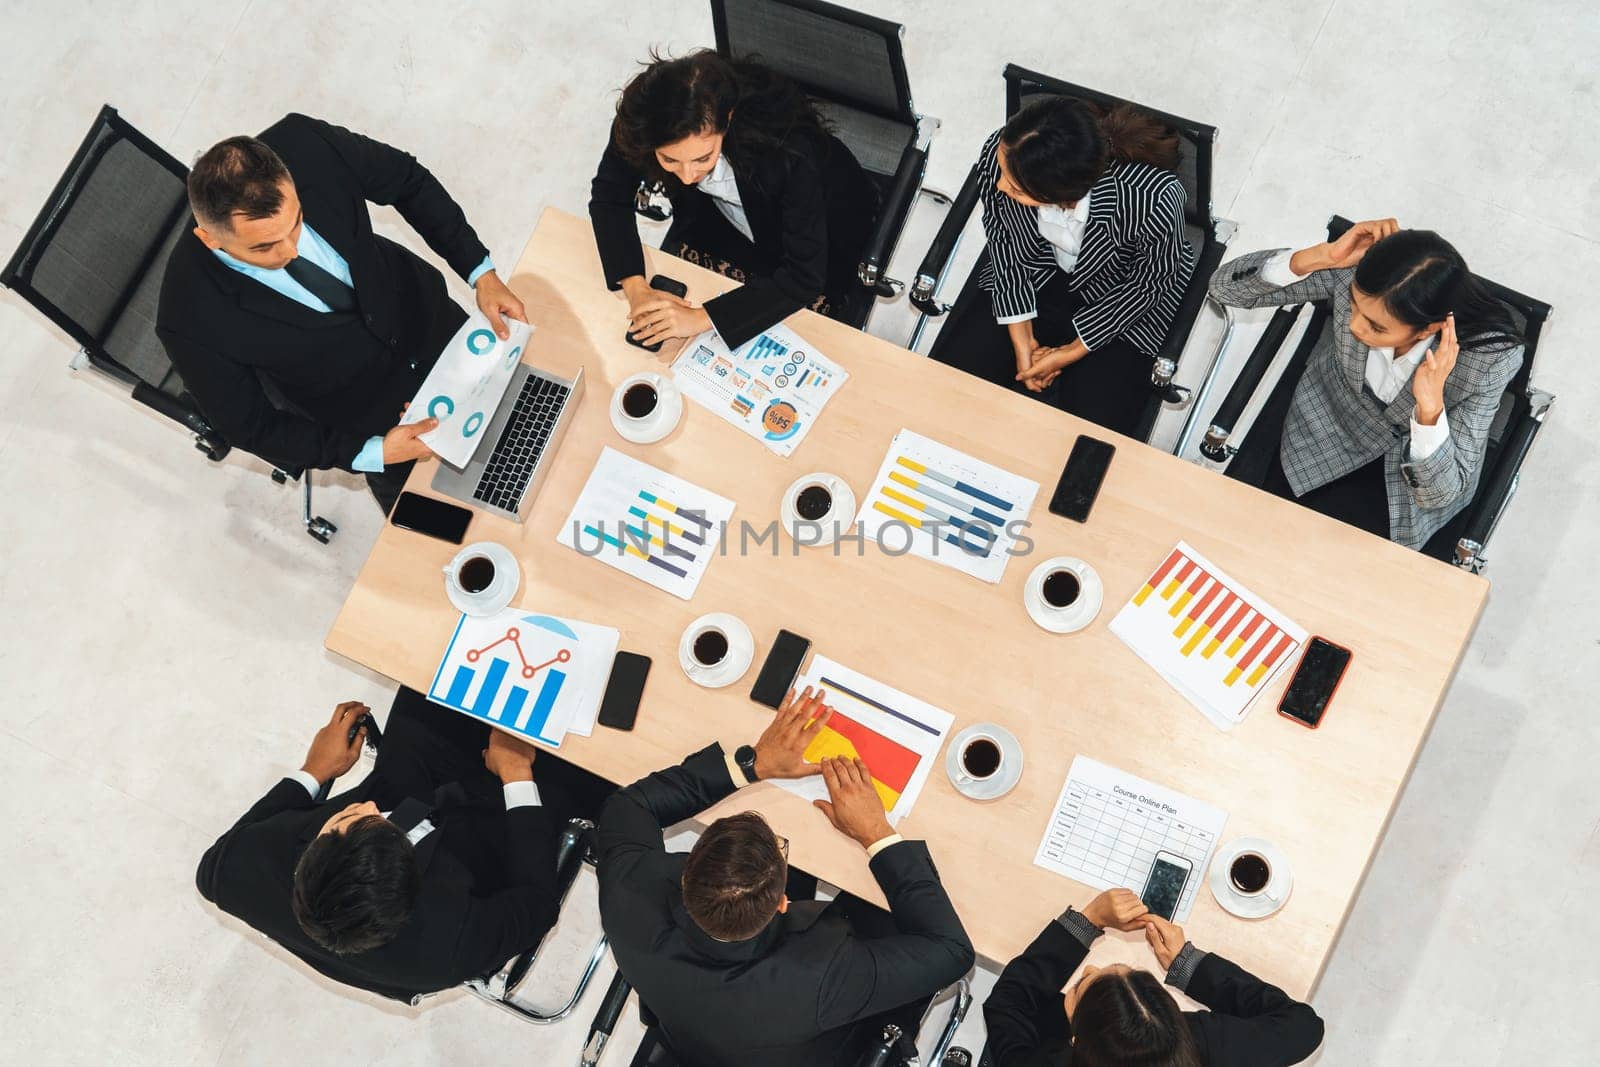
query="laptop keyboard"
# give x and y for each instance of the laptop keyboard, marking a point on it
(516, 453)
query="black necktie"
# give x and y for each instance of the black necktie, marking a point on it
(322, 285)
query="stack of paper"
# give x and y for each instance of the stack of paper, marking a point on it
(538, 676)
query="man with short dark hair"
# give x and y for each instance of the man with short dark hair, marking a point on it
(436, 868)
(300, 332)
(734, 972)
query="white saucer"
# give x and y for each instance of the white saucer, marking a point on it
(843, 514)
(660, 422)
(1257, 905)
(1079, 613)
(1002, 781)
(741, 651)
(501, 592)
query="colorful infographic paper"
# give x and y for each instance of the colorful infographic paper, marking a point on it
(949, 506)
(898, 736)
(647, 523)
(1108, 826)
(1212, 639)
(537, 676)
(773, 387)
(466, 385)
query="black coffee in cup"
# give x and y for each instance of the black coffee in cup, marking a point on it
(981, 757)
(1250, 873)
(710, 647)
(1060, 588)
(640, 400)
(476, 574)
(813, 502)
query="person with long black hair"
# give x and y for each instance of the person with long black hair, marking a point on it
(1120, 1016)
(1086, 260)
(761, 192)
(1390, 420)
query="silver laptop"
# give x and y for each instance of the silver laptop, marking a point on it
(519, 446)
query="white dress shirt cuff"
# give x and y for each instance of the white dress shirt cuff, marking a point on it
(1007, 320)
(479, 271)
(735, 772)
(1426, 440)
(881, 844)
(313, 787)
(1277, 272)
(522, 795)
(370, 459)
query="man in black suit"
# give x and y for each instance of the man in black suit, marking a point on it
(731, 969)
(1119, 1014)
(300, 332)
(438, 867)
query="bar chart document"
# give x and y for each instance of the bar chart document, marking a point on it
(772, 387)
(946, 506)
(647, 523)
(537, 676)
(1108, 826)
(898, 736)
(1212, 639)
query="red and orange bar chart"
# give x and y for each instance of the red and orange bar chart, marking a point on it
(1209, 635)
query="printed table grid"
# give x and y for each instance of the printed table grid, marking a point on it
(1113, 841)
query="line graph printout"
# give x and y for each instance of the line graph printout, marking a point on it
(537, 676)
(955, 509)
(898, 736)
(1214, 641)
(647, 523)
(1108, 826)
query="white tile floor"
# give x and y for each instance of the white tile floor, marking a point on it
(162, 617)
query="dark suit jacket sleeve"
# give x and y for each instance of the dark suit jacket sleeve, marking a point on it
(930, 950)
(616, 235)
(516, 918)
(287, 794)
(1251, 1023)
(1024, 1011)
(629, 829)
(795, 180)
(231, 398)
(389, 176)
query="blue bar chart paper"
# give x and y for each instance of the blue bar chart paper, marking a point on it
(537, 676)
(946, 506)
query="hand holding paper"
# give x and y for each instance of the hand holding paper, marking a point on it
(465, 386)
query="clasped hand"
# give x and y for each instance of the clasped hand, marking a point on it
(1044, 364)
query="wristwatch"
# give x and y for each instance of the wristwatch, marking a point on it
(745, 757)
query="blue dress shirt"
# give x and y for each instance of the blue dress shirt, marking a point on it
(317, 250)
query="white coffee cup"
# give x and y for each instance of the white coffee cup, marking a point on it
(716, 650)
(984, 748)
(646, 407)
(482, 578)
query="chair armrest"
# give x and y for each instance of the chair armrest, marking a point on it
(937, 258)
(1215, 444)
(605, 1020)
(1496, 495)
(206, 438)
(1194, 298)
(892, 218)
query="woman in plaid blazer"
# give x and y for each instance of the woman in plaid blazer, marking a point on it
(1389, 422)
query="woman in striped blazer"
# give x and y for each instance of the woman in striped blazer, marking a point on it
(1086, 261)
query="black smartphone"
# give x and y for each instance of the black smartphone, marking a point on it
(1164, 888)
(425, 515)
(1081, 478)
(620, 706)
(1315, 680)
(778, 672)
(666, 285)
(374, 735)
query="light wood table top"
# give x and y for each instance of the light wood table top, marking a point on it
(1323, 796)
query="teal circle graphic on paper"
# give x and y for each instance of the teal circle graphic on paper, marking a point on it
(441, 402)
(473, 424)
(480, 341)
(513, 355)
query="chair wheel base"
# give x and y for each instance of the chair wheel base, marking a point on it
(957, 1057)
(279, 476)
(321, 529)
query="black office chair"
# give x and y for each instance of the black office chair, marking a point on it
(1208, 235)
(653, 1050)
(1523, 408)
(92, 263)
(852, 65)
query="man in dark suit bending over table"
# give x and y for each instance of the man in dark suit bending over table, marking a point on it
(283, 288)
(733, 971)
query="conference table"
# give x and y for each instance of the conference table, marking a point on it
(1322, 796)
